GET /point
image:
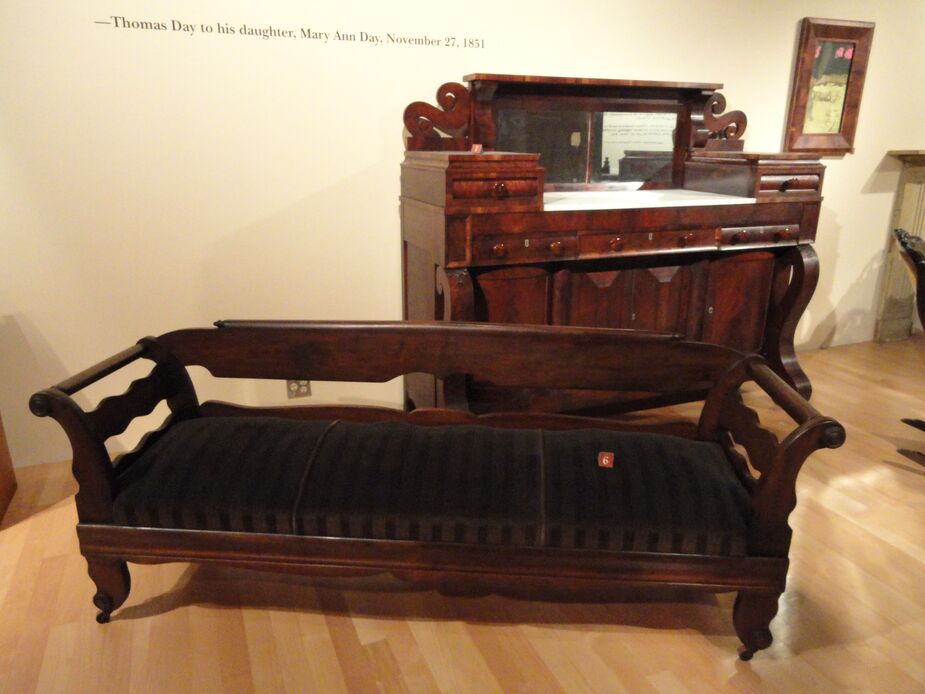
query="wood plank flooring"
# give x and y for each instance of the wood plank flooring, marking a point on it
(852, 619)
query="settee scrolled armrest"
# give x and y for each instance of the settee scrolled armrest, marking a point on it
(98, 371)
(724, 398)
(90, 460)
(775, 494)
(88, 431)
(726, 418)
(794, 404)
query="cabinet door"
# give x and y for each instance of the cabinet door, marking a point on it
(738, 292)
(663, 298)
(513, 295)
(598, 298)
(666, 298)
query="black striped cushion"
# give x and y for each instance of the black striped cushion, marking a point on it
(663, 494)
(468, 484)
(219, 473)
(463, 484)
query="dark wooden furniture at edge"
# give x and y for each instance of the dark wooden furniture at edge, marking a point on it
(482, 241)
(317, 489)
(913, 253)
(7, 476)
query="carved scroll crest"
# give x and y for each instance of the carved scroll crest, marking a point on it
(424, 121)
(728, 126)
(716, 125)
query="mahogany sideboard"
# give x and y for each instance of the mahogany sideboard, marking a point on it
(611, 203)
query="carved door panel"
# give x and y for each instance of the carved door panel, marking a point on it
(513, 295)
(662, 298)
(666, 299)
(601, 298)
(738, 293)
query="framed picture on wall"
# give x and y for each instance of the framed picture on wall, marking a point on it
(828, 78)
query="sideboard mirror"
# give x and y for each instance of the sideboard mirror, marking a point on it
(620, 148)
(590, 134)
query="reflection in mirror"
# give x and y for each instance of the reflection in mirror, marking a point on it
(561, 137)
(636, 146)
(578, 147)
(828, 86)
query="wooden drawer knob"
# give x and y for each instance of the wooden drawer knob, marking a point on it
(782, 236)
(500, 189)
(684, 240)
(616, 244)
(787, 184)
(737, 237)
(499, 250)
(556, 248)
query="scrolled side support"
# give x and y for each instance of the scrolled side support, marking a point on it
(795, 276)
(775, 496)
(91, 464)
(458, 294)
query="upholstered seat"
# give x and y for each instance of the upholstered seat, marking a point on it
(470, 484)
(663, 494)
(462, 484)
(219, 473)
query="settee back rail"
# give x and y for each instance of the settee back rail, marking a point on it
(515, 355)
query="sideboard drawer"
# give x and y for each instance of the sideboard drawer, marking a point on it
(639, 243)
(786, 183)
(516, 248)
(474, 183)
(494, 188)
(771, 235)
(765, 177)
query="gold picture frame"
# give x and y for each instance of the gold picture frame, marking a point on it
(828, 79)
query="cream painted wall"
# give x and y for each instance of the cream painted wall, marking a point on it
(151, 180)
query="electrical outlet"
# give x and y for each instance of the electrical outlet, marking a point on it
(298, 389)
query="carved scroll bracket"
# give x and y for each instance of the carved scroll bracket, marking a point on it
(714, 126)
(796, 274)
(723, 126)
(423, 120)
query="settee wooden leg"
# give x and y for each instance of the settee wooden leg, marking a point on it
(113, 584)
(752, 617)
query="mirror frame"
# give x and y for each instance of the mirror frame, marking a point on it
(812, 32)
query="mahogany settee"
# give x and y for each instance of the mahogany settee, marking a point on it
(442, 496)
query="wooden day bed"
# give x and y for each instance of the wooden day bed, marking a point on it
(441, 496)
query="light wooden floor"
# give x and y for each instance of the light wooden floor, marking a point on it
(852, 619)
